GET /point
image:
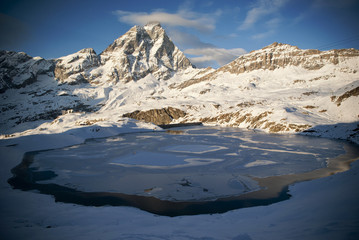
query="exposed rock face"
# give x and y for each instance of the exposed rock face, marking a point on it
(352, 93)
(134, 55)
(235, 119)
(75, 68)
(141, 51)
(17, 69)
(157, 116)
(279, 55)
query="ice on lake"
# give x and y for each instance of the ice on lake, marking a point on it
(189, 164)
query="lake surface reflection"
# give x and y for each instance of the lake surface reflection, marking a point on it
(186, 168)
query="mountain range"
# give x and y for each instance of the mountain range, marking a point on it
(143, 75)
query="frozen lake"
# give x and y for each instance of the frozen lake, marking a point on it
(188, 170)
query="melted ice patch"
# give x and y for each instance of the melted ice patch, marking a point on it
(259, 163)
(160, 160)
(200, 163)
(279, 150)
(197, 149)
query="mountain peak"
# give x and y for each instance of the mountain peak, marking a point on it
(280, 46)
(275, 44)
(152, 24)
(136, 36)
(87, 50)
(142, 51)
(155, 30)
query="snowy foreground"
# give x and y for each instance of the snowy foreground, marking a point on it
(47, 104)
(325, 208)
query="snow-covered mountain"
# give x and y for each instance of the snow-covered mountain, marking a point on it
(134, 55)
(18, 70)
(282, 88)
(143, 75)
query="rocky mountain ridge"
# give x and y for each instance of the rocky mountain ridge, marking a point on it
(134, 55)
(279, 55)
(74, 68)
(17, 69)
(143, 75)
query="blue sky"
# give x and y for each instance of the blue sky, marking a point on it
(211, 33)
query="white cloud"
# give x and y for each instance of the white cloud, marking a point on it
(186, 39)
(198, 21)
(252, 17)
(272, 25)
(263, 35)
(204, 54)
(220, 56)
(260, 9)
(301, 17)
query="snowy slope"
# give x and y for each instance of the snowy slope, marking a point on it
(279, 88)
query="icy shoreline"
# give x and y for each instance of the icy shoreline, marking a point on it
(320, 209)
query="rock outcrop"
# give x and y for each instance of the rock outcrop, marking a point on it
(157, 116)
(17, 69)
(75, 68)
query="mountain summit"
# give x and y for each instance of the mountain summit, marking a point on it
(134, 55)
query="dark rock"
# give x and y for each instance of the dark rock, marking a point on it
(157, 116)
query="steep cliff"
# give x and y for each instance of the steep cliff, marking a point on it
(76, 68)
(17, 69)
(134, 55)
(141, 51)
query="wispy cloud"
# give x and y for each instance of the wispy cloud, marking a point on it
(252, 17)
(182, 18)
(208, 56)
(259, 10)
(302, 16)
(263, 35)
(271, 25)
(204, 54)
(181, 38)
